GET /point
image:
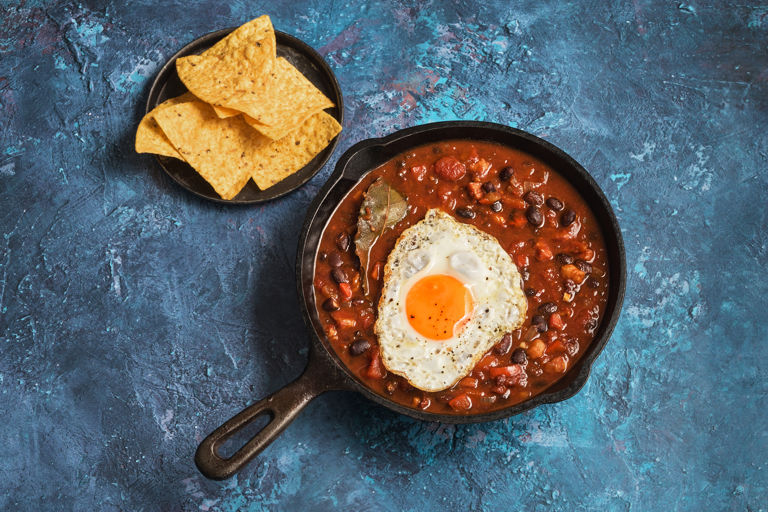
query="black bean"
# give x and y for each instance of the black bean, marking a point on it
(583, 266)
(548, 308)
(567, 218)
(489, 187)
(592, 282)
(339, 275)
(334, 259)
(496, 206)
(506, 173)
(465, 212)
(519, 357)
(534, 216)
(540, 322)
(555, 204)
(503, 346)
(331, 304)
(564, 259)
(530, 292)
(359, 347)
(534, 198)
(342, 241)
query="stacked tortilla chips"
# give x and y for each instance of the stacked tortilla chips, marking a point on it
(248, 115)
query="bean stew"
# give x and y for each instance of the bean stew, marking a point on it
(541, 221)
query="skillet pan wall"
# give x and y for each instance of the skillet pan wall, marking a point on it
(325, 371)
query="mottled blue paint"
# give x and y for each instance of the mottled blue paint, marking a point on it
(135, 317)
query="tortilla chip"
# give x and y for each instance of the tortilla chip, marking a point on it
(256, 30)
(238, 62)
(281, 99)
(281, 158)
(150, 137)
(224, 112)
(222, 151)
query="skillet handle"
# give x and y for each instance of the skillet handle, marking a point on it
(281, 407)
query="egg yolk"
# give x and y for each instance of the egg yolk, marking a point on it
(438, 305)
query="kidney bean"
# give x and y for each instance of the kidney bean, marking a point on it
(465, 213)
(450, 169)
(564, 259)
(360, 346)
(339, 275)
(519, 357)
(540, 322)
(342, 241)
(548, 308)
(503, 346)
(489, 187)
(534, 216)
(334, 259)
(506, 173)
(567, 218)
(583, 266)
(331, 304)
(555, 204)
(533, 198)
(496, 206)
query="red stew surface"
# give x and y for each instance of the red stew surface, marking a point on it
(537, 217)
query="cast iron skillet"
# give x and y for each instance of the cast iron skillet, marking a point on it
(311, 64)
(325, 371)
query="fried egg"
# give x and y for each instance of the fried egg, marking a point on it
(450, 293)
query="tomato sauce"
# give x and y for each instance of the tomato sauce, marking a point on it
(537, 217)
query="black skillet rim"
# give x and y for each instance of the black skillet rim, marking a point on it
(583, 366)
(307, 172)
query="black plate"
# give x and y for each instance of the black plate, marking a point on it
(305, 59)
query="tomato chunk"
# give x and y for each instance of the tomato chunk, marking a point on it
(346, 290)
(375, 368)
(344, 319)
(475, 190)
(468, 382)
(461, 403)
(543, 251)
(556, 322)
(450, 169)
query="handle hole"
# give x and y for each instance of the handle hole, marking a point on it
(240, 437)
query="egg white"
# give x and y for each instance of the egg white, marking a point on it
(439, 244)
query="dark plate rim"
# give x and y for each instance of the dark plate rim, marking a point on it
(288, 40)
(583, 366)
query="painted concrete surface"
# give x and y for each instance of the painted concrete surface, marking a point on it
(134, 317)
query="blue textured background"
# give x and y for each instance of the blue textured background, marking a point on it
(134, 317)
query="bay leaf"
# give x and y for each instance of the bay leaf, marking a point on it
(382, 208)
